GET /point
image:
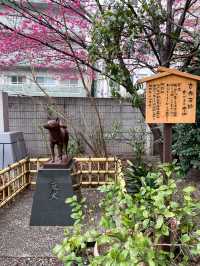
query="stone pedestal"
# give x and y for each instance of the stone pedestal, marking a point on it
(64, 164)
(12, 148)
(52, 188)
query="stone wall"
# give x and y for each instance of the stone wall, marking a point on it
(28, 114)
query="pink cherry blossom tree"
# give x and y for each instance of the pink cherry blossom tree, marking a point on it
(122, 35)
(51, 34)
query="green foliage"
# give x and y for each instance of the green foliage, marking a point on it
(134, 175)
(187, 142)
(150, 227)
(124, 34)
(137, 142)
(74, 146)
(106, 43)
(72, 246)
(114, 131)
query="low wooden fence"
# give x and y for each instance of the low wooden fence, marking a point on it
(96, 171)
(13, 179)
(86, 172)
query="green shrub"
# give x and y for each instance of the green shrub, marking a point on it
(148, 228)
(134, 174)
(186, 142)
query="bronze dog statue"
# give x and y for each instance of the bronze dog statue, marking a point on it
(58, 135)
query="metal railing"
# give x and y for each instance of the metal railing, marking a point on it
(86, 172)
(34, 90)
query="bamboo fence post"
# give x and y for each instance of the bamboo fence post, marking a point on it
(81, 172)
(90, 171)
(38, 164)
(98, 169)
(106, 168)
(27, 169)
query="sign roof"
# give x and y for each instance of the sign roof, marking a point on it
(164, 72)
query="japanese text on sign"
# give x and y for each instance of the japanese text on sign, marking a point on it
(171, 101)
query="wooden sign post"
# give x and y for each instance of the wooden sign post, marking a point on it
(167, 143)
(170, 99)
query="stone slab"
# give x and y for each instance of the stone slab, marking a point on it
(12, 148)
(49, 208)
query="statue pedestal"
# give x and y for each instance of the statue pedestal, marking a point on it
(64, 164)
(52, 188)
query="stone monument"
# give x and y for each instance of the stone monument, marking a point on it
(54, 182)
(12, 144)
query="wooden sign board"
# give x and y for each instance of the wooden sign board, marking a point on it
(171, 99)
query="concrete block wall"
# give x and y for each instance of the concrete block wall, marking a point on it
(28, 114)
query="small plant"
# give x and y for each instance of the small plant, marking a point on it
(137, 167)
(137, 142)
(114, 132)
(149, 228)
(134, 174)
(74, 146)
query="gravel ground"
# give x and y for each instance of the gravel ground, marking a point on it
(21, 244)
(29, 261)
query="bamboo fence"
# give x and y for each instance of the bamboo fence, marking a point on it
(13, 180)
(86, 172)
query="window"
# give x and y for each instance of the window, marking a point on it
(17, 79)
(45, 80)
(73, 82)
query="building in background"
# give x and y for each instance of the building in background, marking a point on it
(20, 78)
(102, 88)
(20, 81)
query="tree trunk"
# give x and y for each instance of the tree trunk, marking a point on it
(157, 135)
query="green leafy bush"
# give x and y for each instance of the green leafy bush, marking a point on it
(134, 174)
(186, 142)
(148, 228)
